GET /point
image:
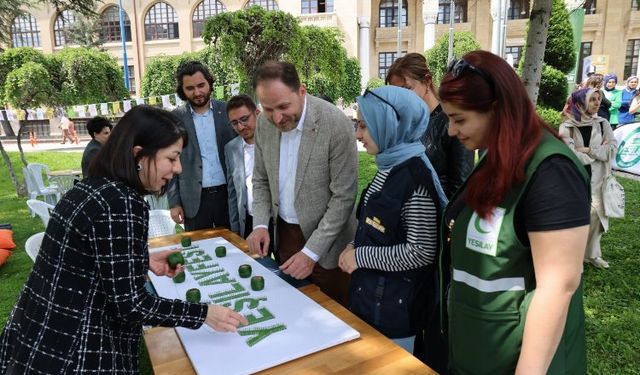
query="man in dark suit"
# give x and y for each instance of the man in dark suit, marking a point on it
(198, 196)
(99, 129)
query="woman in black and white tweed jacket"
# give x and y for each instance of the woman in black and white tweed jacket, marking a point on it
(84, 304)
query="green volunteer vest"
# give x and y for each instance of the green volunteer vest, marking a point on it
(492, 283)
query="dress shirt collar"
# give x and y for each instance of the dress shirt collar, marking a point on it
(300, 125)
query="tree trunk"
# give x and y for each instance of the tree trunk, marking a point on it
(6, 125)
(536, 43)
(12, 172)
(19, 138)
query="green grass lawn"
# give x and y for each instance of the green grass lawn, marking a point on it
(612, 297)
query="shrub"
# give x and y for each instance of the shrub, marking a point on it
(549, 115)
(463, 42)
(553, 88)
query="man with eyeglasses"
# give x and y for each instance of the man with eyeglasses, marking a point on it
(198, 196)
(239, 154)
(305, 180)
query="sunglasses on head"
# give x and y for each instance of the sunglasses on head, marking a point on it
(367, 91)
(457, 66)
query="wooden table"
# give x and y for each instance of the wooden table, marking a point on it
(372, 353)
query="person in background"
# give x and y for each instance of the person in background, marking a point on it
(240, 158)
(305, 180)
(627, 95)
(392, 258)
(64, 126)
(99, 129)
(596, 81)
(452, 161)
(85, 302)
(198, 197)
(614, 96)
(514, 234)
(590, 137)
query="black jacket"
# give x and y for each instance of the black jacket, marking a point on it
(452, 162)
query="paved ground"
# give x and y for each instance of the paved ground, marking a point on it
(46, 145)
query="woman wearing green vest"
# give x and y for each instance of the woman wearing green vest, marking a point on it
(514, 234)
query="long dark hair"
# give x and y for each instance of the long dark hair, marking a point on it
(514, 133)
(150, 128)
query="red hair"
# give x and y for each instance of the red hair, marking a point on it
(515, 127)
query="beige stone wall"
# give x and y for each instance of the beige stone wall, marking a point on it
(608, 29)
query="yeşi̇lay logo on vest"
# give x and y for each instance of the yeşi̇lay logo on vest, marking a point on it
(482, 234)
(629, 150)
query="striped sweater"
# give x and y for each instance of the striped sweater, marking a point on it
(419, 219)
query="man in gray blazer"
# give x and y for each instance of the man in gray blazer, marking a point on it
(198, 196)
(305, 179)
(239, 155)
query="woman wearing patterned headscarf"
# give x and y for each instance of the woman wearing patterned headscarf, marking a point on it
(391, 260)
(590, 137)
(627, 95)
(615, 97)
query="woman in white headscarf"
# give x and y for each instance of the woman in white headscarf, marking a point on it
(590, 137)
(628, 93)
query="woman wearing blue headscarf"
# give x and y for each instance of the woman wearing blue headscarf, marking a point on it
(391, 260)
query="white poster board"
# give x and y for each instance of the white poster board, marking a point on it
(628, 156)
(284, 323)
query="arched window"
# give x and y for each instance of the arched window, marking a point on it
(206, 9)
(266, 4)
(25, 31)
(110, 25)
(161, 22)
(62, 27)
(444, 11)
(388, 13)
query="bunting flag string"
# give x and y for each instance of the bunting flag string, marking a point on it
(118, 108)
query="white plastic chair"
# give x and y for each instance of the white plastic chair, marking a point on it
(32, 246)
(42, 209)
(161, 223)
(33, 176)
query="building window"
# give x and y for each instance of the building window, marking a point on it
(585, 50)
(317, 6)
(110, 25)
(444, 11)
(589, 7)
(518, 9)
(635, 4)
(25, 31)
(205, 10)
(631, 58)
(388, 13)
(161, 22)
(516, 52)
(385, 59)
(132, 79)
(62, 27)
(266, 4)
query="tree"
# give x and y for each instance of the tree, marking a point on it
(463, 42)
(159, 75)
(88, 75)
(548, 80)
(27, 87)
(85, 32)
(250, 37)
(531, 65)
(10, 9)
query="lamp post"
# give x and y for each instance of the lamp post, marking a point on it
(399, 24)
(124, 47)
(452, 10)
